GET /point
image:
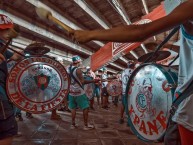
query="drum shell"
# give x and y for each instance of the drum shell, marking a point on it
(132, 104)
(89, 88)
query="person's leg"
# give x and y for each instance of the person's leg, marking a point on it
(72, 106)
(73, 113)
(18, 114)
(185, 135)
(8, 129)
(83, 103)
(104, 102)
(92, 103)
(122, 110)
(6, 141)
(116, 101)
(85, 116)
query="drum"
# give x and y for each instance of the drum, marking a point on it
(38, 84)
(149, 92)
(89, 88)
(114, 88)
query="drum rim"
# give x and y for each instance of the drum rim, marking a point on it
(126, 103)
(40, 112)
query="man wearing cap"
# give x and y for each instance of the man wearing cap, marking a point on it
(104, 93)
(8, 125)
(124, 78)
(77, 96)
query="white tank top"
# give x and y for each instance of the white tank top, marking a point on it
(170, 5)
(124, 78)
(104, 84)
(184, 115)
(75, 88)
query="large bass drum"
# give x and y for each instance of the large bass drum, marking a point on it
(38, 84)
(89, 88)
(150, 91)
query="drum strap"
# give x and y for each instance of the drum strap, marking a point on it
(187, 92)
(71, 75)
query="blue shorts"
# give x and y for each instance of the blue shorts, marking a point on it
(78, 101)
(8, 127)
(97, 92)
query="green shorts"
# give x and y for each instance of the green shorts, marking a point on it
(78, 101)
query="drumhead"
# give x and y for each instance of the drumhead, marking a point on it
(38, 84)
(89, 88)
(149, 99)
(114, 88)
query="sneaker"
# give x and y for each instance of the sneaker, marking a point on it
(18, 117)
(29, 115)
(88, 127)
(73, 126)
(121, 121)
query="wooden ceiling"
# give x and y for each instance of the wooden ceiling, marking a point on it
(70, 10)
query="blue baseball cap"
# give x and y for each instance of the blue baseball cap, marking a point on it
(76, 59)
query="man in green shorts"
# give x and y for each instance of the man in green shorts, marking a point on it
(77, 96)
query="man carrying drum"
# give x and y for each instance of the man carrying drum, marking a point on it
(124, 78)
(104, 93)
(8, 125)
(181, 15)
(90, 74)
(77, 96)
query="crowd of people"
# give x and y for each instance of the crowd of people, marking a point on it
(181, 15)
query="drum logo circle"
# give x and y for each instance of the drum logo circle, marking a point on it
(114, 88)
(37, 84)
(149, 102)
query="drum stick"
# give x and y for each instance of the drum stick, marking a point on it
(47, 15)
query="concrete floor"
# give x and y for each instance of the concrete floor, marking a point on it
(42, 131)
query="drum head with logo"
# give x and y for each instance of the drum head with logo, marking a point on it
(149, 98)
(89, 88)
(37, 84)
(114, 88)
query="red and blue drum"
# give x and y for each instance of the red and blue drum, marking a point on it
(150, 93)
(38, 84)
(89, 88)
(114, 88)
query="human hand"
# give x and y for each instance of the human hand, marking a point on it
(80, 36)
(97, 80)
